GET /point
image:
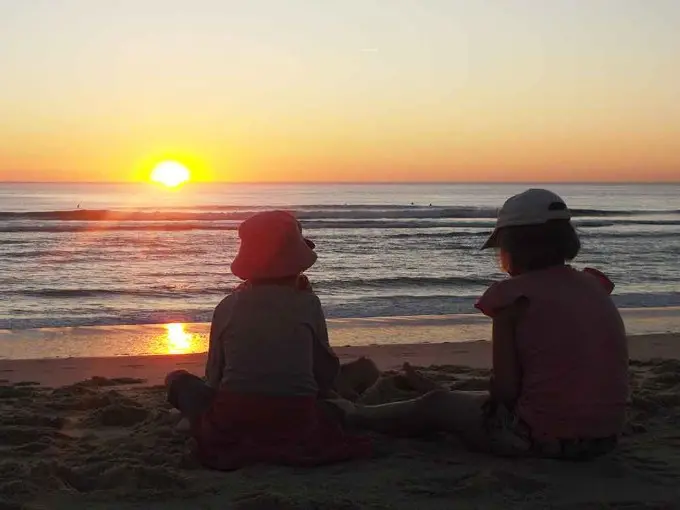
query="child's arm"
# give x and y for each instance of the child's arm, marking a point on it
(507, 371)
(326, 363)
(214, 366)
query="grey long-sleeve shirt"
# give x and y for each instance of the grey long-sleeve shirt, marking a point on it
(271, 339)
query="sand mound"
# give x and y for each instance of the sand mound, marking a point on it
(117, 415)
(23, 418)
(103, 382)
(10, 393)
(87, 439)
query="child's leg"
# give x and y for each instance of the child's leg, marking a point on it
(457, 412)
(189, 394)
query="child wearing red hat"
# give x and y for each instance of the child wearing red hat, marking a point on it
(269, 362)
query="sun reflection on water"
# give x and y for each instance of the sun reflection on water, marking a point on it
(178, 340)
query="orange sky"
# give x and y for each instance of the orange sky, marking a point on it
(444, 90)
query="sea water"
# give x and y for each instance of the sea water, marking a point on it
(129, 254)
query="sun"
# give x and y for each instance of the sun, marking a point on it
(170, 174)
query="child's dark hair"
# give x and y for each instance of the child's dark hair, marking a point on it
(534, 247)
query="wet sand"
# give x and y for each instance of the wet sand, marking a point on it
(152, 369)
(96, 433)
(187, 338)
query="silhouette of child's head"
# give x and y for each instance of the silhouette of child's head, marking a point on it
(534, 231)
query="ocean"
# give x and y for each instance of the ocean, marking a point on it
(130, 254)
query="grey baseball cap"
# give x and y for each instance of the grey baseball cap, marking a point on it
(532, 207)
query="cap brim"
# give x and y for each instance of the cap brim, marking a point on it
(492, 241)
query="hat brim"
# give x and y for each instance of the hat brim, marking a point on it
(252, 264)
(492, 241)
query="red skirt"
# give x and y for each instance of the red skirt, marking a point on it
(244, 429)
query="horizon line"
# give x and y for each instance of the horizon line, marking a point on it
(335, 183)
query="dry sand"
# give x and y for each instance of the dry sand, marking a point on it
(97, 433)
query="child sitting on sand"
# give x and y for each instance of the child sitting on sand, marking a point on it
(269, 362)
(560, 359)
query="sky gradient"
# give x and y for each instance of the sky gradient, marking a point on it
(341, 90)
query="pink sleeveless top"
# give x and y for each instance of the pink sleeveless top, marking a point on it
(572, 349)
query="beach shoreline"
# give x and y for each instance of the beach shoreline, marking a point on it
(151, 369)
(192, 338)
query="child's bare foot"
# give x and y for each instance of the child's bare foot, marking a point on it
(417, 381)
(356, 377)
(345, 407)
(183, 426)
(343, 391)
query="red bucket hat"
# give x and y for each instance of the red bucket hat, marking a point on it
(272, 246)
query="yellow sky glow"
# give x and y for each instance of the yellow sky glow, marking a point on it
(445, 90)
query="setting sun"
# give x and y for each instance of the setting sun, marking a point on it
(170, 173)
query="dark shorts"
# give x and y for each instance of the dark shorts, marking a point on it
(509, 435)
(192, 397)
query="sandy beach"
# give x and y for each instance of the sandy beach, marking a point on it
(96, 433)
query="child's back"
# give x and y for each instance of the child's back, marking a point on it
(268, 335)
(573, 350)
